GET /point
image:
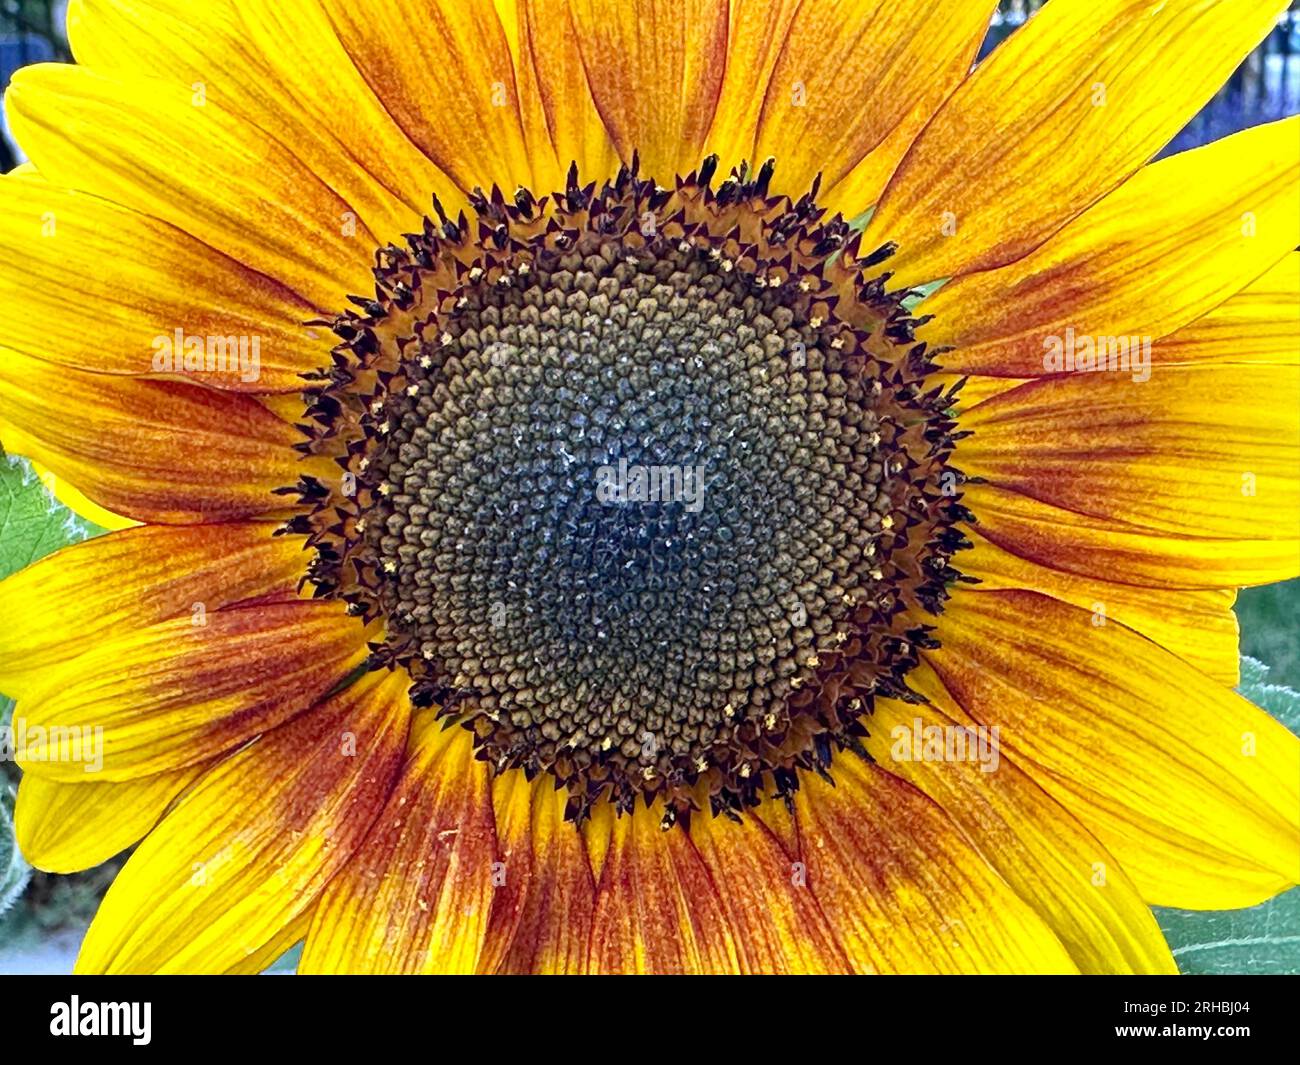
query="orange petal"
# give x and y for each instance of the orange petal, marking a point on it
(262, 61)
(1169, 245)
(852, 86)
(657, 910)
(170, 152)
(158, 451)
(245, 852)
(445, 73)
(1197, 625)
(904, 891)
(655, 70)
(1088, 546)
(1058, 116)
(551, 66)
(547, 859)
(418, 895)
(176, 693)
(66, 257)
(82, 595)
(775, 922)
(1204, 451)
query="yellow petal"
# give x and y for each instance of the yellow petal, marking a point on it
(66, 827)
(176, 693)
(904, 890)
(1194, 790)
(1261, 323)
(161, 451)
(198, 166)
(1205, 451)
(655, 70)
(1058, 116)
(1197, 625)
(1088, 546)
(264, 61)
(249, 848)
(1169, 245)
(418, 895)
(76, 598)
(378, 169)
(66, 257)
(1035, 845)
(758, 33)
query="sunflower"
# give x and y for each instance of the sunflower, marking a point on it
(673, 485)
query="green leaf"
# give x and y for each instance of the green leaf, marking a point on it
(1277, 699)
(1263, 939)
(13, 870)
(32, 522)
(1267, 615)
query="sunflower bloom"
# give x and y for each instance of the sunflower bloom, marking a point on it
(555, 527)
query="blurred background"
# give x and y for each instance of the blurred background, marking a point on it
(42, 917)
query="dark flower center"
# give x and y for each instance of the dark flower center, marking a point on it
(643, 484)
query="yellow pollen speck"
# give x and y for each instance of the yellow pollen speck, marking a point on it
(475, 273)
(816, 321)
(446, 338)
(425, 361)
(412, 390)
(769, 722)
(390, 566)
(887, 521)
(607, 743)
(745, 770)
(837, 343)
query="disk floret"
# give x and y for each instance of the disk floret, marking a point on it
(644, 485)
